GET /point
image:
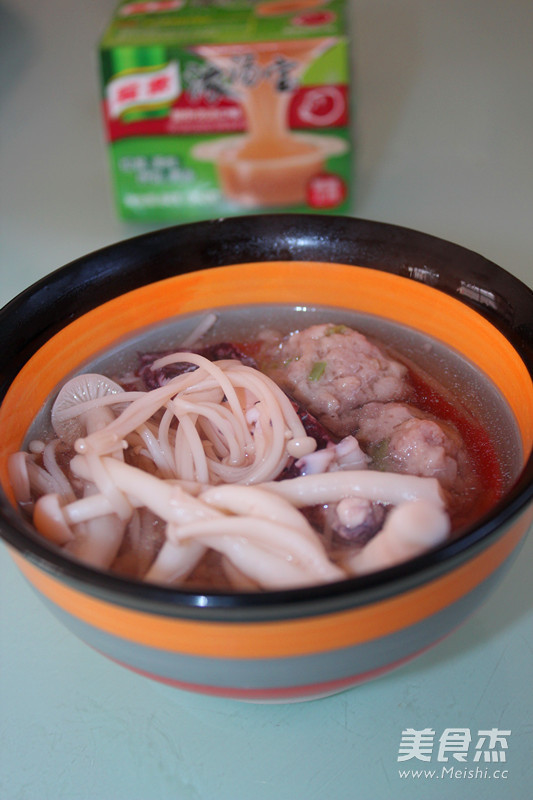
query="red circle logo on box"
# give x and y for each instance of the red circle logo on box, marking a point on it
(326, 191)
(322, 106)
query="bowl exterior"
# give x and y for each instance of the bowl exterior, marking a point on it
(280, 660)
(297, 646)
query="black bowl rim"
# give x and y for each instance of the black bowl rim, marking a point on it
(74, 289)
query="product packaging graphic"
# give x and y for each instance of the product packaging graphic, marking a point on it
(222, 107)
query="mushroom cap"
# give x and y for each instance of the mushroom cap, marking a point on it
(69, 425)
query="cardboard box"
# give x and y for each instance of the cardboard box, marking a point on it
(221, 107)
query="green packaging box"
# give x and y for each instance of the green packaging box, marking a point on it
(221, 107)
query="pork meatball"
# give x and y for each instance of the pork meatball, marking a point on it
(401, 438)
(333, 370)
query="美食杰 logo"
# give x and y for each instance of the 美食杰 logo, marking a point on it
(459, 752)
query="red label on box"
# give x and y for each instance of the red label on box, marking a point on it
(311, 107)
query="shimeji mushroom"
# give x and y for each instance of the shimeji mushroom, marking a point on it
(381, 487)
(27, 478)
(78, 411)
(49, 519)
(411, 528)
(263, 535)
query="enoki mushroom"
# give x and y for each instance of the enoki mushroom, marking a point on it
(197, 460)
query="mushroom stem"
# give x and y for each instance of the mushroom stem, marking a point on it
(167, 499)
(19, 478)
(175, 561)
(256, 502)
(97, 541)
(381, 487)
(49, 519)
(231, 534)
(410, 529)
(28, 478)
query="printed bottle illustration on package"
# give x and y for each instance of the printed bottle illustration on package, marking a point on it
(219, 108)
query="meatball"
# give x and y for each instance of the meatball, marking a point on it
(333, 370)
(401, 438)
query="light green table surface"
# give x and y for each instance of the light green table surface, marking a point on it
(445, 145)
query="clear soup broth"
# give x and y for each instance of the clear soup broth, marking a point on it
(449, 409)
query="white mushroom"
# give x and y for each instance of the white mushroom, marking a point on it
(256, 502)
(167, 499)
(236, 537)
(382, 487)
(97, 541)
(49, 519)
(274, 533)
(51, 465)
(239, 580)
(77, 410)
(411, 529)
(175, 561)
(17, 468)
(27, 477)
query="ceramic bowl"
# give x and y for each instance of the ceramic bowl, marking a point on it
(275, 645)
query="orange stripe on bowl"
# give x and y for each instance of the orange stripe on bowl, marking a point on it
(286, 637)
